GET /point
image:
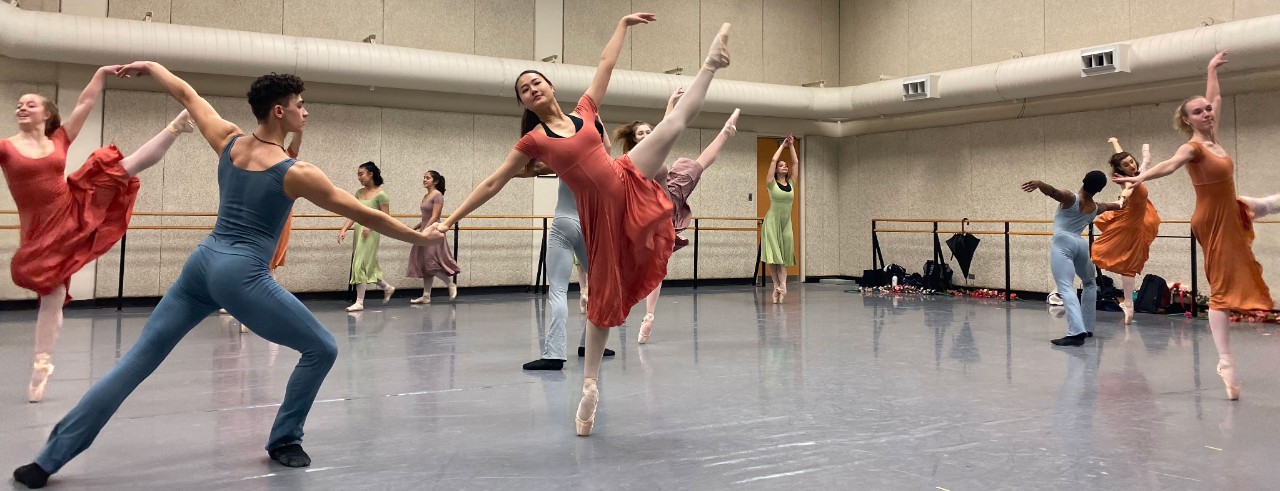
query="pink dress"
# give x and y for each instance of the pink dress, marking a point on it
(626, 217)
(681, 180)
(65, 222)
(426, 261)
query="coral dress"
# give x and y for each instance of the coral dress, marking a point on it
(1223, 226)
(65, 222)
(626, 217)
(1126, 235)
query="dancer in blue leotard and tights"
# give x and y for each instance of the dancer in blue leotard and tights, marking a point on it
(1069, 253)
(258, 183)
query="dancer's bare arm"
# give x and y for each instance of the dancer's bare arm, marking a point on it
(1212, 91)
(795, 160)
(88, 98)
(1112, 206)
(1062, 196)
(773, 164)
(671, 101)
(487, 189)
(1115, 144)
(609, 56)
(306, 181)
(216, 131)
(1184, 154)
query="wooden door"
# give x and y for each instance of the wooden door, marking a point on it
(765, 147)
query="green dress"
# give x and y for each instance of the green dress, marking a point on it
(777, 244)
(364, 261)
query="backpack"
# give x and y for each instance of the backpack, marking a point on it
(1108, 294)
(937, 274)
(1153, 296)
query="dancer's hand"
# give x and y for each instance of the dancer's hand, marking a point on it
(139, 68)
(1031, 186)
(1218, 60)
(1135, 180)
(675, 96)
(639, 18)
(110, 69)
(1112, 140)
(364, 233)
(342, 235)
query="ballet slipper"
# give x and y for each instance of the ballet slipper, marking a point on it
(590, 400)
(420, 300)
(41, 369)
(718, 55)
(731, 126)
(182, 123)
(355, 307)
(1127, 308)
(646, 326)
(1227, 370)
(387, 293)
(453, 291)
(244, 328)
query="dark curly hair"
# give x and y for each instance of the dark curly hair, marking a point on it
(438, 180)
(373, 170)
(1094, 181)
(271, 90)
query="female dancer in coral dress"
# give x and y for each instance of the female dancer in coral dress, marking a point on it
(434, 260)
(364, 257)
(67, 221)
(1222, 222)
(776, 240)
(1124, 243)
(626, 215)
(680, 179)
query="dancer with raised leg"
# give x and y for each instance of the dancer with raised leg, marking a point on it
(1069, 252)
(435, 260)
(257, 185)
(625, 214)
(364, 256)
(65, 222)
(1125, 236)
(1222, 221)
(776, 239)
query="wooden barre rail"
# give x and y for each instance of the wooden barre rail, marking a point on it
(926, 220)
(396, 215)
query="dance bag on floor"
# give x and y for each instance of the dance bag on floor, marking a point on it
(1108, 295)
(1153, 296)
(937, 273)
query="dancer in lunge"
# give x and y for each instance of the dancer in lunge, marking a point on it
(364, 258)
(778, 246)
(65, 222)
(434, 260)
(625, 214)
(680, 180)
(1125, 236)
(257, 185)
(1069, 253)
(1222, 221)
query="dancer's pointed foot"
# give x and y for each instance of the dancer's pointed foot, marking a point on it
(1127, 308)
(41, 369)
(387, 293)
(1227, 370)
(244, 328)
(453, 290)
(545, 364)
(222, 311)
(31, 475)
(731, 126)
(291, 456)
(646, 326)
(718, 55)
(586, 416)
(182, 123)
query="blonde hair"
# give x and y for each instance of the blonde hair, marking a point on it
(626, 134)
(1180, 114)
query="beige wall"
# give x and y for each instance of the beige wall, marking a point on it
(974, 171)
(898, 38)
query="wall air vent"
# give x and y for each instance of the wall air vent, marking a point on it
(1106, 59)
(916, 88)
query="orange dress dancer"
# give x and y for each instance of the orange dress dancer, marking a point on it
(1124, 243)
(1223, 225)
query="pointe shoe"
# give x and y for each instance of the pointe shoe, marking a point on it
(421, 300)
(590, 399)
(1227, 370)
(182, 123)
(41, 369)
(386, 294)
(243, 328)
(355, 307)
(718, 55)
(646, 326)
(453, 291)
(1127, 308)
(776, 292)
(222, 311)
(731, 126)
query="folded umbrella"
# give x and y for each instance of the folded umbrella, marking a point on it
(962, 246)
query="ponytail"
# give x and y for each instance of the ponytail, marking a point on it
(54, 121)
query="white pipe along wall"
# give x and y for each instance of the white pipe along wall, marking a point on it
(64, 38)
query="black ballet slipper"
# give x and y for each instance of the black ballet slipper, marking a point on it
(1075, 340)
(545, 364)
(32, 475)
(291, 456)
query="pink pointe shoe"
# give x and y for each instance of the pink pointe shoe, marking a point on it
(1227, 370)
(590, 399)
(646, 327)
(41, 369)
(718, 55)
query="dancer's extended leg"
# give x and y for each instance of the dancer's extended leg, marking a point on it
(48, 325)
(153, 151)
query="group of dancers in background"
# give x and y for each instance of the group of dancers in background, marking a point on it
(621, 218)
(1222, 224)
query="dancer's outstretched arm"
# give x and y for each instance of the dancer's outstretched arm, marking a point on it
(1211, 90)
(217, 131)
(304, 180)
(1060, 195)
(512, 166)
(609, 57)
(1184, 154)
(1115, 144)
(88, 98)
(773, 164)
(795, 159)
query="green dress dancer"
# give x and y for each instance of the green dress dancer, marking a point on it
(364, 262)
(777, 242)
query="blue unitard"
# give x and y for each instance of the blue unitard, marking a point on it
(228, 268)
(1068, 258)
